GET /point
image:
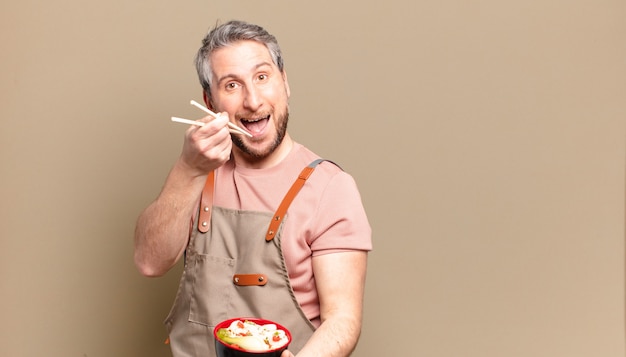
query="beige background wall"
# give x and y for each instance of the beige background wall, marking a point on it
(488, 140)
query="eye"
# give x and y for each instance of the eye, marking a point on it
(263, 77)
(231, 85)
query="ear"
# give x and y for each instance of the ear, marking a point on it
(286, 83)
(207, 102)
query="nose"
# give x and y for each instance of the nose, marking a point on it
(252, 99)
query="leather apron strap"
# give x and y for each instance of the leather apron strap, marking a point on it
(206, 203)
(291, 194)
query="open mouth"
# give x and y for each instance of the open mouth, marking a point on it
(255, 125)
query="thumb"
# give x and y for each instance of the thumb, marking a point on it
(286, 353)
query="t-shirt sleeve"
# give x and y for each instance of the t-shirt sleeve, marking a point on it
(341, 222)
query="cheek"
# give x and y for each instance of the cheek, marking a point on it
(279, 95)
(229, 104)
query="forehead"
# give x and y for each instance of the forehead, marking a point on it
(239, 58)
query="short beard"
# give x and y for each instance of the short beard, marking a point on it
(280, 135)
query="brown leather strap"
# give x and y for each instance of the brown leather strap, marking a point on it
(291, 194)
(206, 203)
(250, 279)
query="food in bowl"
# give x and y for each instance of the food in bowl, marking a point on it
(252, 335)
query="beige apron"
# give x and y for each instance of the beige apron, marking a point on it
(234, 267)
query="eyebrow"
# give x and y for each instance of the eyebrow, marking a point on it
(232, 75)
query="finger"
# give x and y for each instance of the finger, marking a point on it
(226, 156)
(286, 353)
(213, 127)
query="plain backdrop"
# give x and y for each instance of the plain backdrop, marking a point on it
(487, 138)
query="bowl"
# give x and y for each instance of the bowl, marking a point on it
(232, 349)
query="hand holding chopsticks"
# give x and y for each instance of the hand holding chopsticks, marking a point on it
(232, 127)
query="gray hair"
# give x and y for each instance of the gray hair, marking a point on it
(226, 34)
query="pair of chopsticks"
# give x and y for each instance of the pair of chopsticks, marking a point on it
(232, 127)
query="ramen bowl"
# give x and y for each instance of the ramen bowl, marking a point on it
(250, 337)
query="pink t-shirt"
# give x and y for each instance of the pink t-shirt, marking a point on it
(326, 216)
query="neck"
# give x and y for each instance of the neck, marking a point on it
(278, 155)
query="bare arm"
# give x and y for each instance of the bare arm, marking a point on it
(340, 280)
(162, 228)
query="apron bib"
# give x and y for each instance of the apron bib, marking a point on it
(234, 267)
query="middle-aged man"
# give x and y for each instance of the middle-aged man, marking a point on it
(267, 229)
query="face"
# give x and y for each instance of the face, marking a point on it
(254, 92)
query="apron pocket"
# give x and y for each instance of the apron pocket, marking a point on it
(212, 283)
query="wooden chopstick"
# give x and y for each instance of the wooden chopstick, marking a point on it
(187, 121)
(231, 125)
(199, 123)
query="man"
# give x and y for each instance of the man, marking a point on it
(266, 228)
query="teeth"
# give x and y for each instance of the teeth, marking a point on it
(253, 120)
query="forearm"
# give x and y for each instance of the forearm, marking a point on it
(336, 337)
(162, 228)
